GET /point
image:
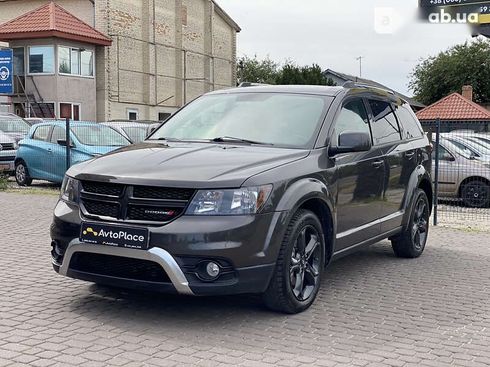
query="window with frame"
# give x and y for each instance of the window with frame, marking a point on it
(41, 60)
(70, 110)
(41, 133)
(75, 61)
(132, 115)
(353, 117)
(385, 127)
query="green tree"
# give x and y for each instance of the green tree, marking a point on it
(267, 71)
(303, 75)
(466, 64)
(254, 70)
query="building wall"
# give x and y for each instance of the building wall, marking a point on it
(164, 54)
(61, 88)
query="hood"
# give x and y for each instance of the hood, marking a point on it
(193, 165)
(6, 139)
(16, 136)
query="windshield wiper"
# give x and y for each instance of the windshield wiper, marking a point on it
(231, 139)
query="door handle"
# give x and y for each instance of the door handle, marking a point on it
(377, 164)
(409, 155)
(50, 150)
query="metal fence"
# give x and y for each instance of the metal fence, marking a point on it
(461, 172)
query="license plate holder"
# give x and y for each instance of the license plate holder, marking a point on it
(114, 235)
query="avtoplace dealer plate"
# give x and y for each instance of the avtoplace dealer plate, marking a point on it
(117, 236)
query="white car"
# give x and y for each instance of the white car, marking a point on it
(135, 132)
(8, 151)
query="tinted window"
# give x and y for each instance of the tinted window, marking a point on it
(385, 127)
(41, 133)
(411, 126)
(58, 134)
(353, 117)
(443, 154)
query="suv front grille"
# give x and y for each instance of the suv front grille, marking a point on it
(7, 146)
(135, 204)
(119, 267)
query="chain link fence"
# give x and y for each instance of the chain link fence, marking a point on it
(461, 172)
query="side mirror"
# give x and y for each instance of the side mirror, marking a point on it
(62, 142)
(350, 142)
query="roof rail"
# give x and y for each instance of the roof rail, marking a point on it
(351, 84)
(250, 84)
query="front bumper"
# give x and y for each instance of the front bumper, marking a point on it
(7, 159)
(246, 249)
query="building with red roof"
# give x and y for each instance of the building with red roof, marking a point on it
(457, 111)
(105, 60)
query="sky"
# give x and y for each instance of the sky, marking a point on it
(333, 33)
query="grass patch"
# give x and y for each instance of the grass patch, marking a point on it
(3, 182)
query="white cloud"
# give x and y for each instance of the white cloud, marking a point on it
(333, 33)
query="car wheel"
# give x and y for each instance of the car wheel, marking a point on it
(297, 274)
(476, 194)
(22, 174)
(411, 243)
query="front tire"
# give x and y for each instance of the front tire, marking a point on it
(22, 174)
(297, 274)
(411, 243)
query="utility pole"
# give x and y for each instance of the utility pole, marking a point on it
(360, 65)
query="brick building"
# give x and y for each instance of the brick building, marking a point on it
(116, 59)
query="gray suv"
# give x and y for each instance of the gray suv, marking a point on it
(250, 190)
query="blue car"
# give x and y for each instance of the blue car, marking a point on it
(42, 154)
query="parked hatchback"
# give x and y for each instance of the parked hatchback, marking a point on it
(43, 154)
(250, 190)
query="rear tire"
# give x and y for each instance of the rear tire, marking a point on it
(22, 174)
(297, 274)
(476, 194)
(411, 243)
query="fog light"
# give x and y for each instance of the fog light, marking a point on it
(212, 269)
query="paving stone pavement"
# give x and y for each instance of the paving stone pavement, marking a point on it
(373, 310)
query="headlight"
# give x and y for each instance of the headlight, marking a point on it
(69, 190)
(243, 201)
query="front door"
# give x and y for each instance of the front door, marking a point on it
(58, 154)
(359, 181)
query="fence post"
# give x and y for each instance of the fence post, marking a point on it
(436, 169)
(68, 144)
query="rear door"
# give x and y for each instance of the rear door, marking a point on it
(398, 156)
(359, 180)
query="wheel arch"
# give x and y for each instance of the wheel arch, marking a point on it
(312, 195)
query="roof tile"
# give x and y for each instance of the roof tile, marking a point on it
(51, 20)
(454, 107)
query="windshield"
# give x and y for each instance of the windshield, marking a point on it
(136, 133)
(9, 124)
(288, 120)
(98, 135)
